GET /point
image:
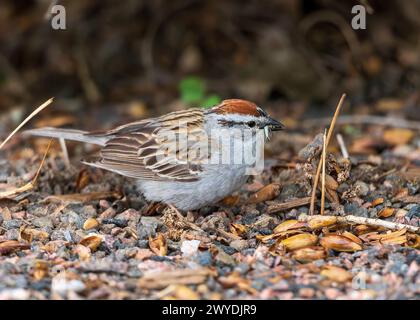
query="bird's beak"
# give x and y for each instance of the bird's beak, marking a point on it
(274, 125)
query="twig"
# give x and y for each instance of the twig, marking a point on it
(366, 119)
(324, 152)
(350, 219)
(182, 218)
(318, 170)
(342, 145)
(34, 113)
(288, 205)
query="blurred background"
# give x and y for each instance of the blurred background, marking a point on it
(120, 60)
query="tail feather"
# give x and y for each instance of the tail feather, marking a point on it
(67, 134)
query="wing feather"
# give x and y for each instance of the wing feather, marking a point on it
(144, 150)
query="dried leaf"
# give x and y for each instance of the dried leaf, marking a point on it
(339, 243)
(391, 235)
(300, 241)
(238, 229)
(395, 240)
(377, 201)
(83, 179)
(414, 240)
(90, 223)
(268, 192)
(91, 241)
(320, 222)
(362, 229)
(231, 201)
(158, 245)
(330, 182)
(336, 274)
(352, 237)
(10, 246)
(309, 254)
(386, 212)
(29, 234)
(288, 225)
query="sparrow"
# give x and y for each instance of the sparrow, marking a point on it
(190, 158)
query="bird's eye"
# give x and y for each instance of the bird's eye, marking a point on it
(251, 124)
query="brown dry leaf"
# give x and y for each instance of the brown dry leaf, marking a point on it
(352, 237)
(402, 193)
(289, 225)
(320, 222)
(336, 274)
(83, 179)
(162, 279)
(83, 252)
(28, 234)
(396, 237)
(231, 201)
(10, 246)
(398, 136)
(90, 223)
(40, 270)
(265, 238)
(309, 254)
(158, 245)
(390, 235)
(395, 240)
(330, 182)
(238, 229)
(413, 240)
(91, 241)
(377, 201)
(386, 212)
(300, 241)
(363, 229)
(268, 192)
(339, 243)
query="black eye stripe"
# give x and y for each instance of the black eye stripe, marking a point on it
(227, 123)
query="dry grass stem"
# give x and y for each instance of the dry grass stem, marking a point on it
(33, 114)
(324, 152)
(318, 171)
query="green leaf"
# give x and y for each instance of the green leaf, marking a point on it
(192, 90)
(210, 101)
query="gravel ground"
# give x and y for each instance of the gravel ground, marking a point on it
(101, 240)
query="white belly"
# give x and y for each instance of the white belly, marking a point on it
(217, 183)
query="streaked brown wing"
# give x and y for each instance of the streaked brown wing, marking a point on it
(150, 149)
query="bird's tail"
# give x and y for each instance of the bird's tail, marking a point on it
(68, 134)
